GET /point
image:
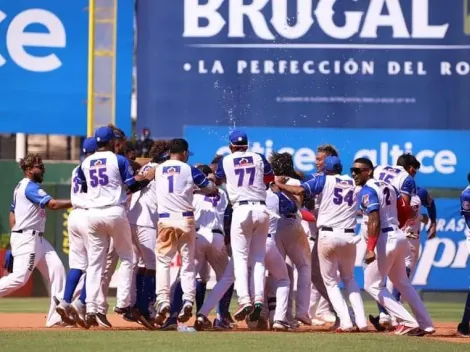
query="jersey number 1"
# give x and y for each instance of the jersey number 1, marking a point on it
(241, 175)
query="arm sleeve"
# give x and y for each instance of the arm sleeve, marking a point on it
(199, 178)
(37, 195)
(428, 202)
(369, 199)
(315, 185)
(126, 171)
(409, 186)
(220, 172)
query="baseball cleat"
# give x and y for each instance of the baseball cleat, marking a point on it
(328, 317)
(91, 320)
(221, 324)
(243, 311)
(78, 313)
(403, 329)
(186, 312)
(385, 320)
(121, 311)
(102, 320)
(162, 311)
(375, 322)
(318, 322)
(256, 313)
(304, 319)
(202, 323)
(63, 309)
(345, 330)
(280, 326)
(171, 324)
(463, 330)
(418, 332)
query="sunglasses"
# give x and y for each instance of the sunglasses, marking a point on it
(358, 170)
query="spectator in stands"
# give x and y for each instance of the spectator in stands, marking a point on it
(144, 143)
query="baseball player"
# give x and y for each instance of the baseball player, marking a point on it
(428, 202)
(175, 181)
(246, 174)
(29, 248)
(337, 241)
(104, 176)
(463, 329)
(387, 248)
(72, 313)
(290, 236)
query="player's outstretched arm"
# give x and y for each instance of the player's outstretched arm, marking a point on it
(58, 204)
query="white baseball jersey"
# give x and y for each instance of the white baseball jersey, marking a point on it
(414, 224)
(29, 201)
(339, 200)
(209, 211)
(105, 175)
(272, 203)
(381, 196)
(77, 196)
(398, 177)
(244, 174)
(143, 205)
(175, 183)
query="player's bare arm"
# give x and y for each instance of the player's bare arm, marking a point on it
(295, 190)
(58, 204)
(373, 230)
(424, 219)
(12, 219)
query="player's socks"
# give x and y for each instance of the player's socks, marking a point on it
(83, 292)
(139, 285)
(466, 313)
(177, 300)
(73, 277)
(200, 294)
(224, 303)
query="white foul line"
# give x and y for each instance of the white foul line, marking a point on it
(334, 46)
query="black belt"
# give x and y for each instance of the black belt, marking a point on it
(167, 215)
(245, 202)
(388, 229)
(290, 216)
(213, 231)
(34, 232)
(331, 229)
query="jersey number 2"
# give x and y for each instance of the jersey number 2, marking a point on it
(338, 197)
(241, 175)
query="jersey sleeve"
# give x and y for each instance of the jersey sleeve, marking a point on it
(315, 185)
(267, 166)
(409, 186)
(126, 171)
(199, 178)
(36, 195)
(220, 172)
(369, 200)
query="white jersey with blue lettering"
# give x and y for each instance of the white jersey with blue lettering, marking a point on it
(413, 225)
(379, 196)
(29, 201)
(77, 196)
(143, 206)
(209, 211)
(272, 203)
(175, 184)
(244, 174)
(397, 176)
(105, 175)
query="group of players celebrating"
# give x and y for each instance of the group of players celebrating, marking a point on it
(252, 221)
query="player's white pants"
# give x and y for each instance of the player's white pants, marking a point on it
(249, 229)
(145, 240)
(78, 239)
(176, 234)
(318, 305)
(110, 265)
(103, 224)
(337, 252)
(210, 248)
(32, 251)
(292, 241)
(391, 251)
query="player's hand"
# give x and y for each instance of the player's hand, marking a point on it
(369, 257)
(432, 231)
(280, 180)
(211, 177)
(150, 173)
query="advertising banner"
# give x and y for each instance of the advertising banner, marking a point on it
(43, 66)
(303, 63)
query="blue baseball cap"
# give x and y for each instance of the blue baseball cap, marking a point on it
(89, 145)
(333, 164)
(238, 138)
(104, 134)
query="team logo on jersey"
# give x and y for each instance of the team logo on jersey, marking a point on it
(344, 183)
(243, 162)
(171, 170)
(365, 201)
(98, 163)
(466, 205)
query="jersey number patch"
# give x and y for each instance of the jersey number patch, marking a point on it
(387, 196)
(76, 185)
(171, 181)
(250, 171)
(98, 177)
(339, 198)
(386, 177)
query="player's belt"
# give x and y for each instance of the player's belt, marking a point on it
(213, 231)
(388, 229)
(290, 216)
(245, 202)
(167, 215)
(34, 232)
(324, 228)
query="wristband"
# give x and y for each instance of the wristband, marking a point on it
(371, 243)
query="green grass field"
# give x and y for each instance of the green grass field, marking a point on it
(99, 340)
